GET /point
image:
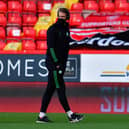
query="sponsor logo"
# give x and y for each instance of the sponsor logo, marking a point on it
(32, 68)
(113, 18)
(104, 42)
(114, 99)
(105, 23)
(116, 73)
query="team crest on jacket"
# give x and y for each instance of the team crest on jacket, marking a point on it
(67, 34)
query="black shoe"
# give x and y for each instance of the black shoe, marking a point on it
(75, 118)
(43, 120)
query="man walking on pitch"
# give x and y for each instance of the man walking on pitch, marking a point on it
(58, 39)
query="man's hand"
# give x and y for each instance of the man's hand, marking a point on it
(59, 68)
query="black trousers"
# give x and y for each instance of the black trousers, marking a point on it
(55, 82)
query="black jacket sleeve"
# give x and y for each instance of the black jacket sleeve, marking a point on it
(51, 39)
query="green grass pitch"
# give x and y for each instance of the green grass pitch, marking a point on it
(60, 121)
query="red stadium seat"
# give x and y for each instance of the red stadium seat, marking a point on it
(4, 0)
(14, 6)
(77, 7)
(2, 44)
(75, 20)
(3, 7)
(107, 6)
(122, 7)
(44, 6)
(42, 35)
(29, 20)
(105, 1)
(43, 14)
(2, 33)
(14, 19)
(8, 40)
(13, 34)
(29, 33)
(29, 6)
(28, 45)
(41, 44)
(91, 5)
(57, 1)
(3, 20)
(119, 1)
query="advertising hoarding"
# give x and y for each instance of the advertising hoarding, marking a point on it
(31, 68)
(105, 68)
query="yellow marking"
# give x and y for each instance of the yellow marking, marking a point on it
(112, 72)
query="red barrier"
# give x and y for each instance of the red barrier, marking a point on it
(74, 51)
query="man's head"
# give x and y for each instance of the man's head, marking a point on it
(63, 13)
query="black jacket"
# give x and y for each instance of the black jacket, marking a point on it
(58, 38)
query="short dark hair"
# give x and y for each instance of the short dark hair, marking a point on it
(64, 10)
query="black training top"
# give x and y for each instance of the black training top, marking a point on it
(58, 38)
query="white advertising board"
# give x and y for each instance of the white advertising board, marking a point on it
(104, 68)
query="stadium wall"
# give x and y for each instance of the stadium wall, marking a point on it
(31, 68)
(101, 83)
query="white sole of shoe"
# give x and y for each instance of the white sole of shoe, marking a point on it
(76, 120)
(41, 122)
